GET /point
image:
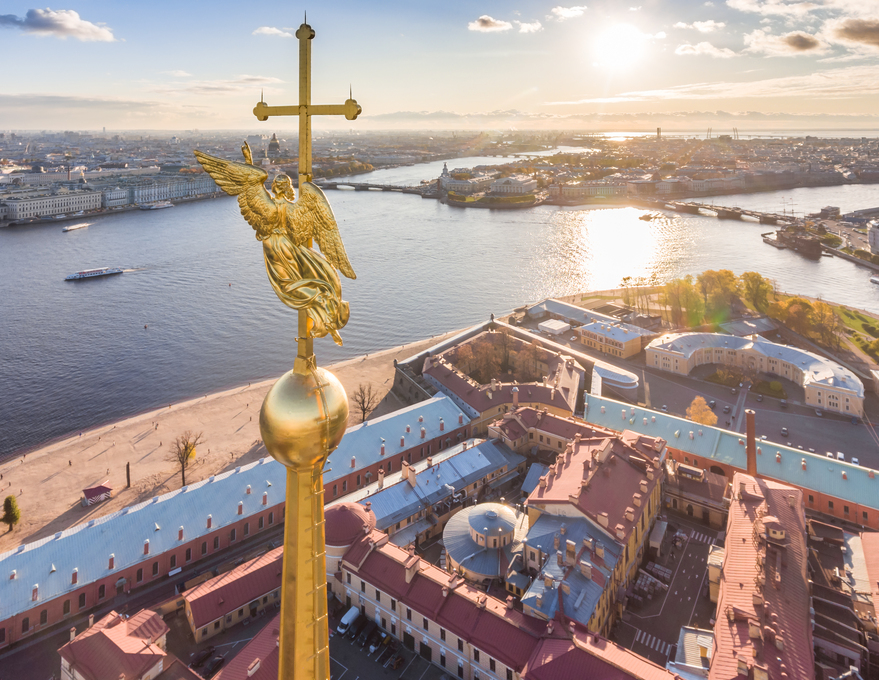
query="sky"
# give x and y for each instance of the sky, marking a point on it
(480, 64)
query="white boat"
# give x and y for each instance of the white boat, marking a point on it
(71, 227)
(874, 279)
(156, 206)
(91, 273)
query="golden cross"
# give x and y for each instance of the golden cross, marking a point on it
(305, 110)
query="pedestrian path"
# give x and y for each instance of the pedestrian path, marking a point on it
(652, 642)
(699, 537)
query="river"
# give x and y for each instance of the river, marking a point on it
(76, 354)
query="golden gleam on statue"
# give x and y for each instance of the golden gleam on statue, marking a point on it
(302, 278)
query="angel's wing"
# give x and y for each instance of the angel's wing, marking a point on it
(312, 217)
(247, 182)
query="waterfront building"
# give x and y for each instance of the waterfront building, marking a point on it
(873, 237)
(588, 189)
(557, 391)
(119, 646)
(517, 185)
(763, 611)
(595, 330)
(827, 385)
(114, 198)
(226, 600)
(55, 203)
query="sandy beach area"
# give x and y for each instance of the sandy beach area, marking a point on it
(48, 482)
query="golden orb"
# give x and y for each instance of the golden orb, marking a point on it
(303, 418)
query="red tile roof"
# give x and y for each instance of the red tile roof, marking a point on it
(263, 648)
(612, 471)
(870, 544)
(526, 418)
(218, 596)
(345, 523)
(116, 646)
(756, 551)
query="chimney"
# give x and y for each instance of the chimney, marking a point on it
(383, 444)
(402, 440)
(603, 519)
(91, 620)
(442, 425)
(73, 632)
(423, 432)
(408, 429)
(643, 486)
(515, 397)
(460, 419)
(599, 550)
(547, 581)
(353, 462)
(429, 461)
(411, 565)
(411, 476)
(381, 478)
(542, 482)
(586, 569)
(420, 419)
(636, 499)
(253, 667)
(750, 429)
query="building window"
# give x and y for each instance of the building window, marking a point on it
(378, 595)
(216, 624)
(261, 523)
(460, 668)
(241, 612)
(102, 591)
(443, 658)
(66, 610)
(864, 516)
(509, 674)
(344, 485)
(811, 499)
(335, 490)
(348, 577)
(830, 504)
(44, 617)
(216, 542)
(173, 561)
(394, 602)
(424, 623)
(460, 645)
(358, 481)
(232, 535)
(189, 554)
(363, 586)
(271, 518)
(491, 665)
(408, 614)
(247, 528)
(25, 625)
(476, 655)
(845, 509)
(265, 599)
(443, 634)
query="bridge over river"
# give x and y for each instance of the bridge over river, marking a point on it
(720, 211)
(367, 186)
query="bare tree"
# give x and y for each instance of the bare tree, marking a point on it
(366, 398)
(183, 451)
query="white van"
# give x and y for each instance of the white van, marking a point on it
(349, 618)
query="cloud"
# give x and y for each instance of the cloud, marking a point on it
(62, 23)
(704, 49)
(635, 9)
(177, 74)
(702, 26)
(487, 24)
(560, 13)
(857, 31)
(788, 45)
(529, 27)
(271, 30)
(849, 82)
(783, 8)
(224, 86)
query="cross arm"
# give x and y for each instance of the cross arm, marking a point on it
(350, 109)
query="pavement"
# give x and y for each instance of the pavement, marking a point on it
(653, 631)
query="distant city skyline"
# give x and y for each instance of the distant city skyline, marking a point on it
(751, 64)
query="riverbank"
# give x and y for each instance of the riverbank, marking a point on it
(48, 480)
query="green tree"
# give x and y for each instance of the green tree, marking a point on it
(756, 290)
(718, 289)
(11, 512)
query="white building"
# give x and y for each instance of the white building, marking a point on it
(873, 235)
(20, 208)
(516, 186)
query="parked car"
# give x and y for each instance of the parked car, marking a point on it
(764, 437)
(855, 461)
(366, 633)
(784, 432)
(840, 455)
(379, 639)
(830, 455)
(726, 409)
(202, 656)
(759, 397)
(396, 661)
(818, 413)
(350, 617)
(664, 408)
(357, 626)
(712, 404)
(213, 666)
(784, 403)
(734, 390)
(573, 338)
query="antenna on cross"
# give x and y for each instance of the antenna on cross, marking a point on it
(305, 16)
(350, 92)
(261, 96)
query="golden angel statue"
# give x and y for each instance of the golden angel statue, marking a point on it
(300, 277)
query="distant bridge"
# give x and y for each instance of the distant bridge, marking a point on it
(720, 211)
(367, 186)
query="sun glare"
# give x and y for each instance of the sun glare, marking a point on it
(619, 47)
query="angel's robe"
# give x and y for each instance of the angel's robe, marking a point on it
(303, 279)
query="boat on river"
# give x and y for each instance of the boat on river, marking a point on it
(156, 206)
(72, 227)
(874, 279)
(92, 273)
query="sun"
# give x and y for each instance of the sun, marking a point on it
(619, 47)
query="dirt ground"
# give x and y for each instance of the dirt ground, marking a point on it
(48, 482)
